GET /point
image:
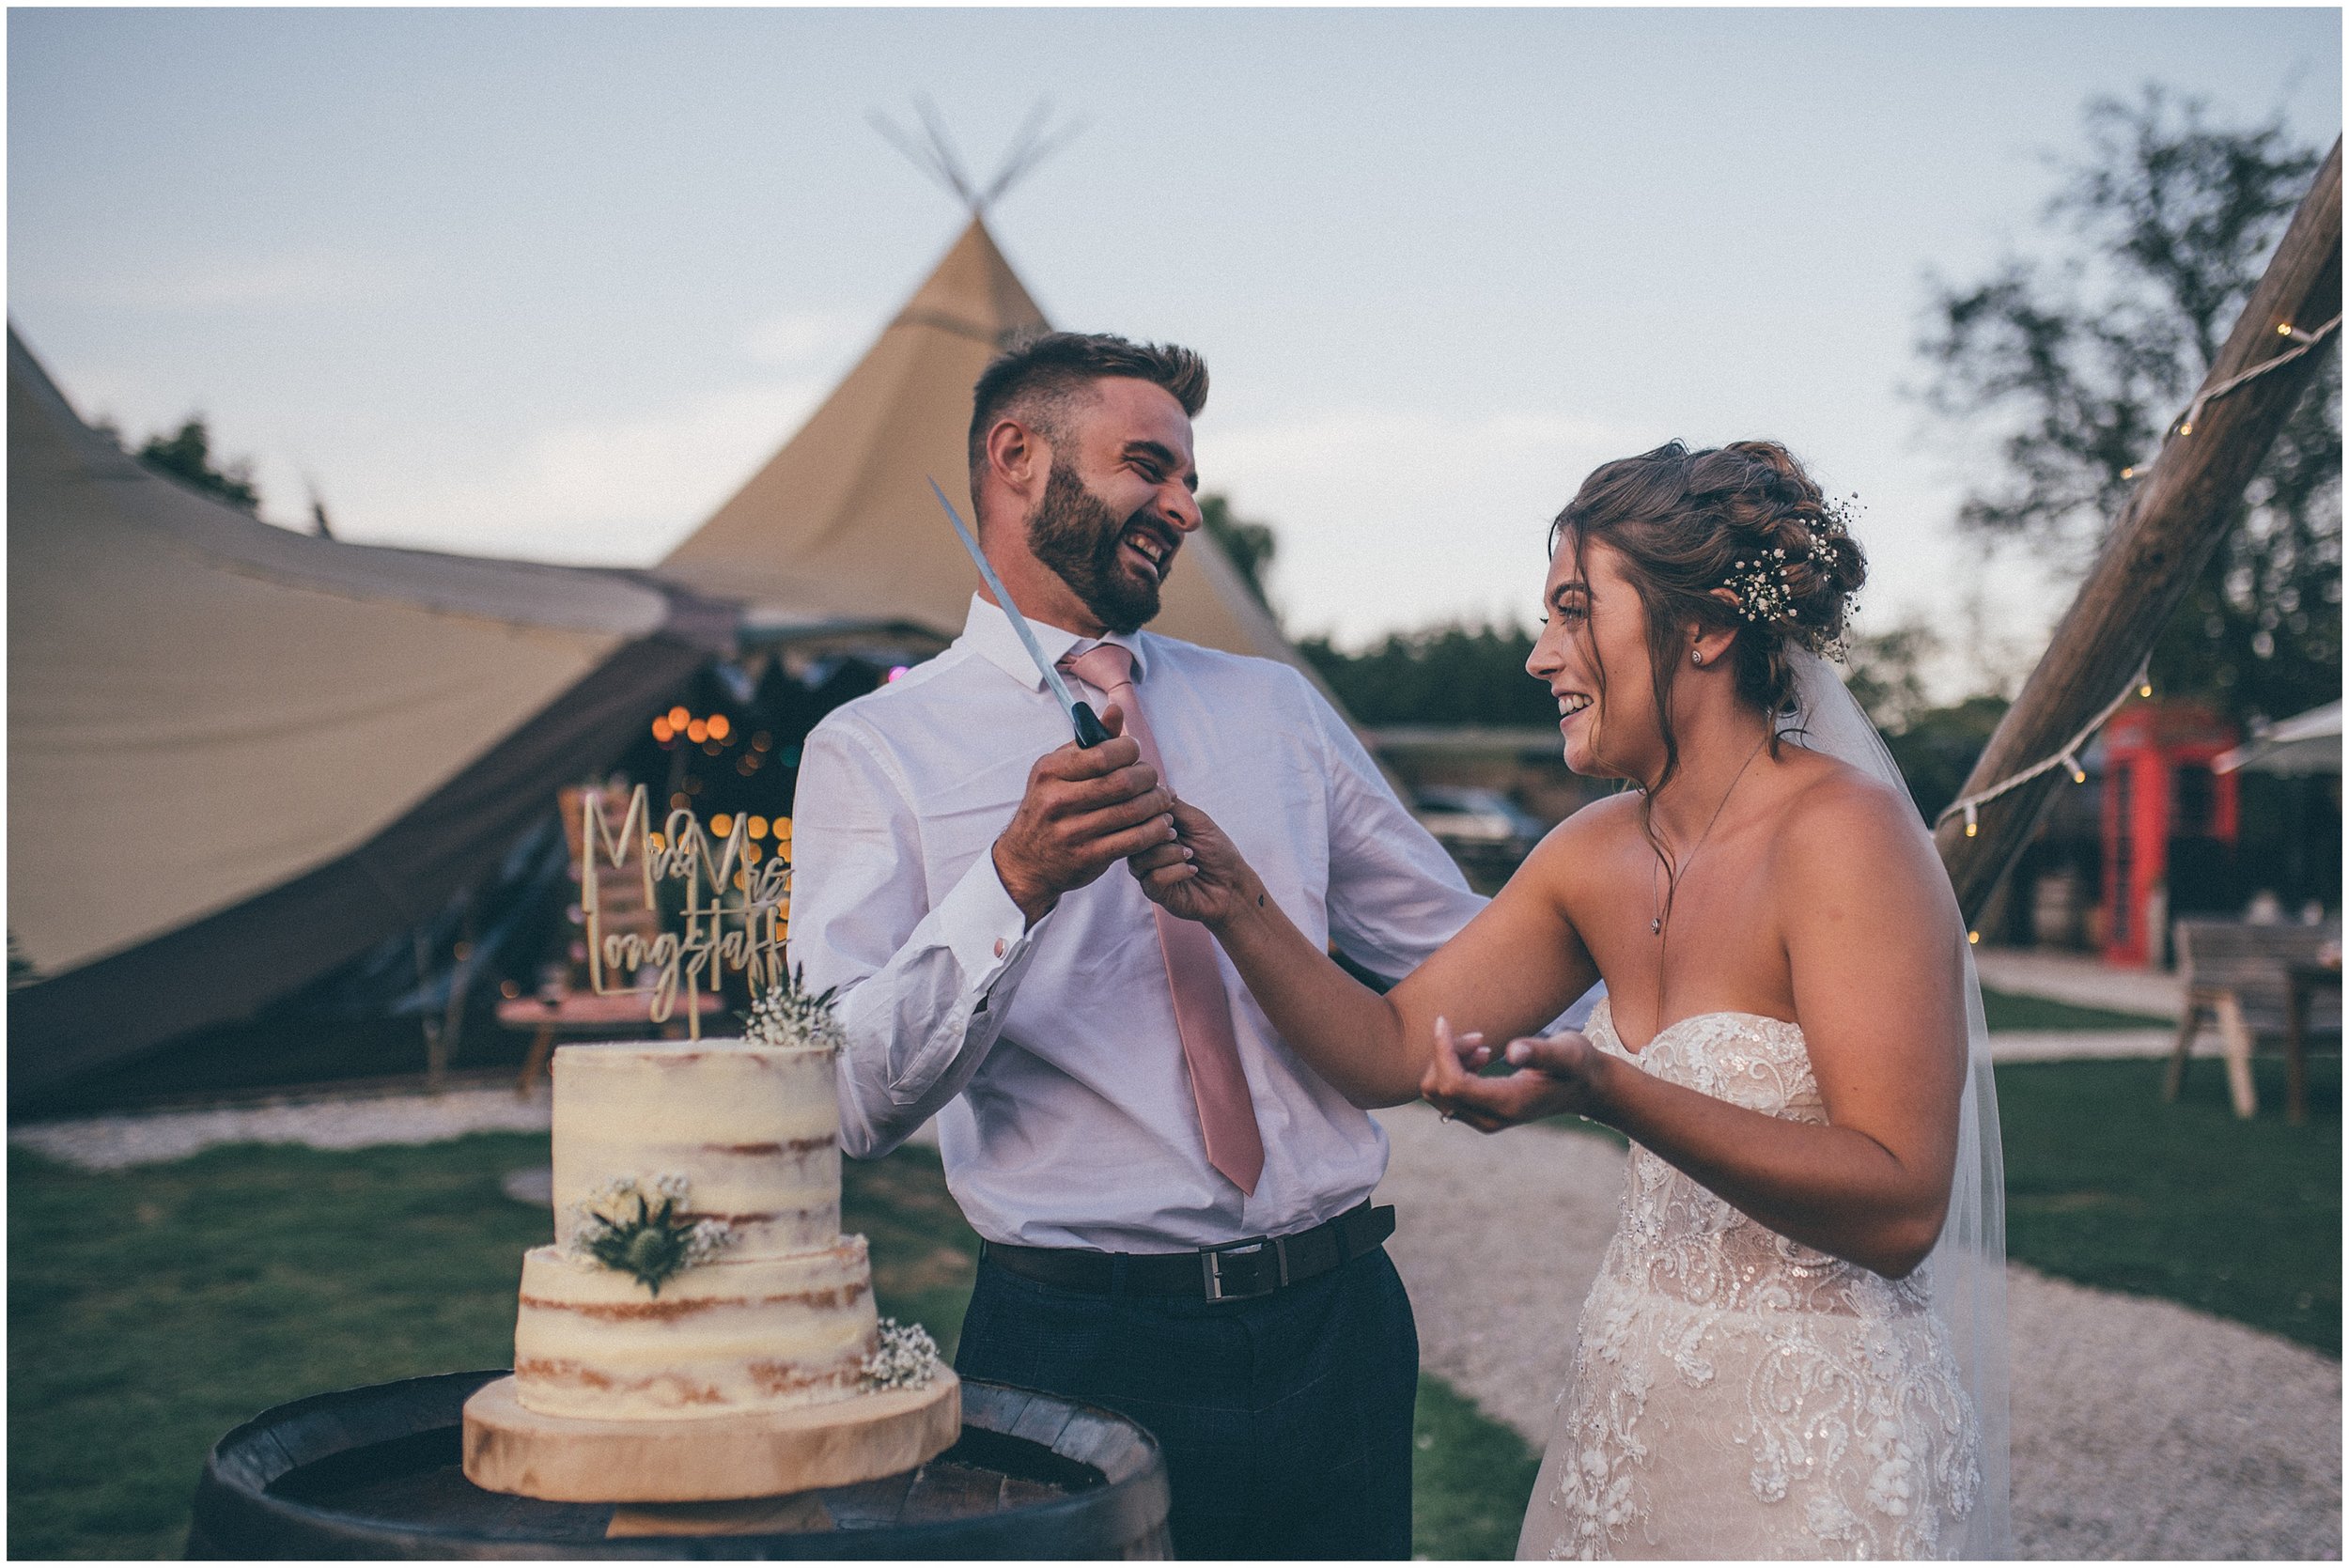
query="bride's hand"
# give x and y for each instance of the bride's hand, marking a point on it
(1202, 874)
(1563, 1073)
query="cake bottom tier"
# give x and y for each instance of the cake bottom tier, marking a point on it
(733, 1336)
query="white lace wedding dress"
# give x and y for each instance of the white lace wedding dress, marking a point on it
(1735, 1394)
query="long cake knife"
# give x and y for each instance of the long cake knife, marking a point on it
(1088, 725)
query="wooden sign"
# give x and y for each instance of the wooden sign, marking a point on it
(734, 915)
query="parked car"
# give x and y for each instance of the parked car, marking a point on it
(1465, 817)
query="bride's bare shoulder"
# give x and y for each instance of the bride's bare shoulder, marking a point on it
(1601, 823)
(1585, 844)
(1842, 826)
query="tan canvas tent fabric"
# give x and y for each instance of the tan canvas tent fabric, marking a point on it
(842, 519)
(239, 755)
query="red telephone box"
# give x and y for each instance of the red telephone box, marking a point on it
(2170, 822)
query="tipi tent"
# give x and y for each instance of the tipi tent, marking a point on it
(842, 519)
(239, 755)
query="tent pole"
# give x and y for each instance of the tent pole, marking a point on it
(2167, 532)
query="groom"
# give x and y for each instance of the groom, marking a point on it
(1117, 1119)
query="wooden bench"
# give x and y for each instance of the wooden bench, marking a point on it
(2255, 982)
(584, 1015)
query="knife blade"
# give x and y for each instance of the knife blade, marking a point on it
(1089, 729)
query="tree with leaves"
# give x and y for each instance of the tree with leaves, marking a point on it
(187, 455)
(1454, 673)
(2167, 224)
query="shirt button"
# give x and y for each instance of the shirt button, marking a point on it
(999, 946)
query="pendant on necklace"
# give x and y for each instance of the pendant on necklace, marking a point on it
(1656, 927)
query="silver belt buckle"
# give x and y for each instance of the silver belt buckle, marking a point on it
(1211, 1265)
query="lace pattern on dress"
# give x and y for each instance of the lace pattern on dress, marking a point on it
(1736, 1393)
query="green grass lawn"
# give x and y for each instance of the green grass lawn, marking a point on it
(2010, 1010)
(151, 1310)
(2108, 1184)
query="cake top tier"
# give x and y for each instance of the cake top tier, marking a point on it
(716, 1093)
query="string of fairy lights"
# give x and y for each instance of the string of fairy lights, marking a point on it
(2067, 756)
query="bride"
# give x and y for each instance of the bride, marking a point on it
(1796, 1345)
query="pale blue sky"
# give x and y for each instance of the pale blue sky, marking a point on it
(553, 283)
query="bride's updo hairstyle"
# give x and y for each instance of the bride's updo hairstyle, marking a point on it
(1743, 517)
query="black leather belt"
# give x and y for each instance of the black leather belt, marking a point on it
(1233, 1272)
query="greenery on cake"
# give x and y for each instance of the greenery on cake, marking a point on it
(788, 1014)
(653, 1244)
(907, 1357)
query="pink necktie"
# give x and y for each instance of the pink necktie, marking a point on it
(1202, 1014)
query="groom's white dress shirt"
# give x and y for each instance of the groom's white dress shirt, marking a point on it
(1049, 1056)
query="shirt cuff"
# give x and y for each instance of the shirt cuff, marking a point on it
(982, 927)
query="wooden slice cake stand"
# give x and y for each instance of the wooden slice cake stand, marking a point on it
(705, 1458)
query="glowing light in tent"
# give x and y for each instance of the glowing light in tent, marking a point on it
(697, 732)
(678, 718)
(660, 730)
(720, 726)
(758, 826)
(722, 823)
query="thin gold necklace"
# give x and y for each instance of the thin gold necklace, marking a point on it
(1672, 875)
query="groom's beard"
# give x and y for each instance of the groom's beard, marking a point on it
(1075, 532)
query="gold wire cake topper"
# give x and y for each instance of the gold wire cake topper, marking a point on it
(734, 915)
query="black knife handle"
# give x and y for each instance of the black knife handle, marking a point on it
(1090, 730)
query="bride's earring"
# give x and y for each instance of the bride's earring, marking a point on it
(1696, 656)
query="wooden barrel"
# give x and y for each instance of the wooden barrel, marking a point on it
(376, 1473)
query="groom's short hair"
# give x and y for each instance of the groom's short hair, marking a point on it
(1039, 376)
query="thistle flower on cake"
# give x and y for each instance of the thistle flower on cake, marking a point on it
(653, 1244)
(788, 1014)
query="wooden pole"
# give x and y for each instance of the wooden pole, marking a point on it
(2174, 519)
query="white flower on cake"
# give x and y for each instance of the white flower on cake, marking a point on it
(788, 1014)
(907, 1357)
(653, 1243)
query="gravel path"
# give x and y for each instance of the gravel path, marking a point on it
(2079, 979)
(110, 1142)
(2141, 1429)
(2079, 1044)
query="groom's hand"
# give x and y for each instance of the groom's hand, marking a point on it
(1085, 809)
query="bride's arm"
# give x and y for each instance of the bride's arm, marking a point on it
(1875, 949)
(1510, 970)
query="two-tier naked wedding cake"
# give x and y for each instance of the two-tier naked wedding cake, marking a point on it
(700, 1328)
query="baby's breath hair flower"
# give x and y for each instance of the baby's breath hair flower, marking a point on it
(1766, 597)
